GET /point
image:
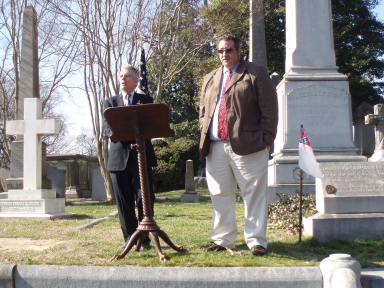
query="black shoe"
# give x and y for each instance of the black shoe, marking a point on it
(258, 250)
(214, 247)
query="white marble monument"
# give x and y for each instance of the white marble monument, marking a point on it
(312, 93)
(32, 201)
(349, 201)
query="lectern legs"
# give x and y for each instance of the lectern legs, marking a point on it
(147, 226)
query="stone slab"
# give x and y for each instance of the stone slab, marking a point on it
(168, 277)
(189, 174)
(43, 276)
(328, 227)
(37, 216)
(6, 275)
(17, 148)
(345, 205)
(57, 178)
(98, 188)
(372, 278)
(4, 195)
(351, 187)
(187, 197)
(32, 194)
(38, 206)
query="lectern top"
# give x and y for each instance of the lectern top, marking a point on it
(149, 120)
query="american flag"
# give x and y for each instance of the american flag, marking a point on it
(143, 83)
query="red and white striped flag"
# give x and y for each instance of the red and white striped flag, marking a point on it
(307, 161)
(379, 152)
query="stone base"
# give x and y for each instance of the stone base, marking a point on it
(50, 216)
(71, 194)
(32, 194)
(27, 206)
(187, 197)
(328, 227)
(4, 195)
(284, 171)
(346, 205)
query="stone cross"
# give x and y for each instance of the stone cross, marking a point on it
(32, 127)
(377, 119)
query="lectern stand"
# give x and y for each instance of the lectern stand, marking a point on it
(139, 122)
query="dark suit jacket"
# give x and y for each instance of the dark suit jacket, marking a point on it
(252, 111)
(119, 151)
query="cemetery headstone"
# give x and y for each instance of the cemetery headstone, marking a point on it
(350, 202)
(364, 135)
(190, 193)
(57, 177)
(377, 119)
(98, 189)
(29, 88)
(32, 201)
(312, 93)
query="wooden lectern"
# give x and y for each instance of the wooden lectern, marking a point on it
(139, 122)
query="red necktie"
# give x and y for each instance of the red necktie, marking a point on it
(222, 128)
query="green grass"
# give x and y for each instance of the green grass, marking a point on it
(187, 224)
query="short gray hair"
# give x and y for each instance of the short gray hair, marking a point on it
(133, 70)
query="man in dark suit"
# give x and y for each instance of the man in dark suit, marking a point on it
(238, 124)
(123, 161)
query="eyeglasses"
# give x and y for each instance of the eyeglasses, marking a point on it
(228, 50)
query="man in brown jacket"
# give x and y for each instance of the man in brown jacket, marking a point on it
(238, 123)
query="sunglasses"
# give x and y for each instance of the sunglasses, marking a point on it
(228, 50)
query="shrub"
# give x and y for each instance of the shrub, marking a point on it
(172, 157)
(284, 212)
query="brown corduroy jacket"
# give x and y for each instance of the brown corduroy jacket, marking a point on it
(252, 109)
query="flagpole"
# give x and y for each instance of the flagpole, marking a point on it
(301, 200)
(301, 204)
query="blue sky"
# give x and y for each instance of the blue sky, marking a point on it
(79, 114)
(380, 10)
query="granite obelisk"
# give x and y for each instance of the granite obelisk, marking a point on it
(312, 93)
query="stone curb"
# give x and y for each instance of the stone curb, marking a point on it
(6, 275)
(52, 276)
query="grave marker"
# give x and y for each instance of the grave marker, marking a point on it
(190, 193)
(312, 93)
(377, 119)
(350, 202)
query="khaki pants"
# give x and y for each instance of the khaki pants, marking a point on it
(224, 170)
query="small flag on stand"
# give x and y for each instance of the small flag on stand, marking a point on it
(308, 164)
(143, 83)
(307, 161)
(379, 152)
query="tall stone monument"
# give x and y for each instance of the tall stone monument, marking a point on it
(312, 93)
(26, 196)
(28, 87)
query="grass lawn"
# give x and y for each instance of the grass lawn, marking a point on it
(187, 224)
